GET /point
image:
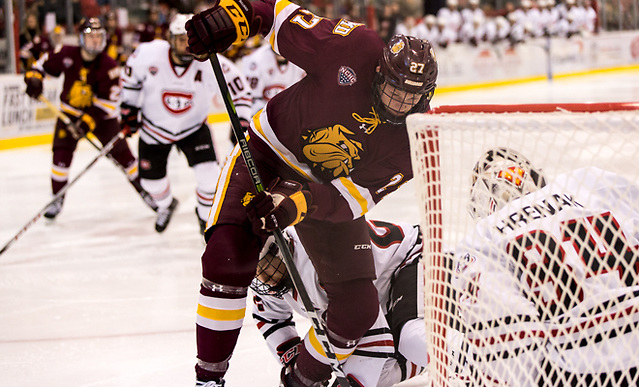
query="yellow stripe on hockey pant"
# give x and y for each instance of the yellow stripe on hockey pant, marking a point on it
(340, 353)
(220, 314)
(238, 18)
(301, 206)
(350, 186)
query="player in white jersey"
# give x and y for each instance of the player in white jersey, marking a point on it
(268, 73)
(547, 281)
(174, 94)
(397, 249)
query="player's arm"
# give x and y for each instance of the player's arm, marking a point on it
(132, 79)
(107, 94)
(274, 319)
(348, 198)
(48, 64)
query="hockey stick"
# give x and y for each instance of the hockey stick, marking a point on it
(320, 332)
(67, 121)
(107, 148)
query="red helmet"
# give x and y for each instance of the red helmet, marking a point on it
(408, 72)
(95, 27)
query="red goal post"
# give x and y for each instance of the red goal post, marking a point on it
(558, 139)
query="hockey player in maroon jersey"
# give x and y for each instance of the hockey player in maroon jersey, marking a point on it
(89, 97)
(331, 146)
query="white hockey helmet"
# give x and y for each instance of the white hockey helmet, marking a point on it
(178, 24)
(178, 28)
(500, 176)
(271, 275)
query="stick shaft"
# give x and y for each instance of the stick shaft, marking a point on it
(138, 187)
(107, 148)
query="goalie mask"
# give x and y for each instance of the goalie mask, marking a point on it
(405, 82)
(178, 38)
(93, 37)
(501, 175)
(271, 276)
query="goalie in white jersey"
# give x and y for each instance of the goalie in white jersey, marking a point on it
(547, 282)
(169, 95)
(400, 324)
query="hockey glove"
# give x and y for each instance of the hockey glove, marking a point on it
(82, 126)
(283, 204)
(288, 351)
(227, 22)
(130, 118)
(33, 79)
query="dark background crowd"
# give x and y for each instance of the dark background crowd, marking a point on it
(45, 24)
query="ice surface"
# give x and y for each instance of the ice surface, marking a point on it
(98, 298)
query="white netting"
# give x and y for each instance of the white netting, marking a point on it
(545, 291)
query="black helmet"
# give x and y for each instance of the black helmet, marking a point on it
(407, 71)
(92, 26)
(271, 276)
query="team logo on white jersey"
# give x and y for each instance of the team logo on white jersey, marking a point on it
(177, 102)
(271, 91)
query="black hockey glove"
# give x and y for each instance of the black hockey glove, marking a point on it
(283, 204)
(288, 351)
(227, 22)
(33, 79)
(130, 118)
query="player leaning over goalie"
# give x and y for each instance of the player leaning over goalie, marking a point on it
(548, 280)
(168, 93)
(329, 148)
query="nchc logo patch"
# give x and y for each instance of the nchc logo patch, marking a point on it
(346, 76)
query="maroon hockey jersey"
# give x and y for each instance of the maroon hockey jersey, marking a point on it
(325, 127)
(89, 87)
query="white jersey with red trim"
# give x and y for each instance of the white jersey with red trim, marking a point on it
(588, 235)
(394, 246)
(175, 101)
(266, 76)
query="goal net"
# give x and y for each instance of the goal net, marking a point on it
(530, 217)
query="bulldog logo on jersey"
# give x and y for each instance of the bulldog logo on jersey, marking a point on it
(331, 150)
(177, 102)
(346, 76)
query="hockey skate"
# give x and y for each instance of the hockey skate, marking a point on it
(201, 222)
(164, 216)
(290, 377)
(54, 208)
(212, 383)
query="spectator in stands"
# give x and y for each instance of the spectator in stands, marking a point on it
(57, 36)
(115, 44)
(532, 22)
(474, 32)
(447, 35)
(451, 16)
(430, 24)
(548, 17)
(149, 30)
(387, 21)
(591, 17)
(501, 30)
(33, 43)
(473, 10)
(411, 27)
(516, 33)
